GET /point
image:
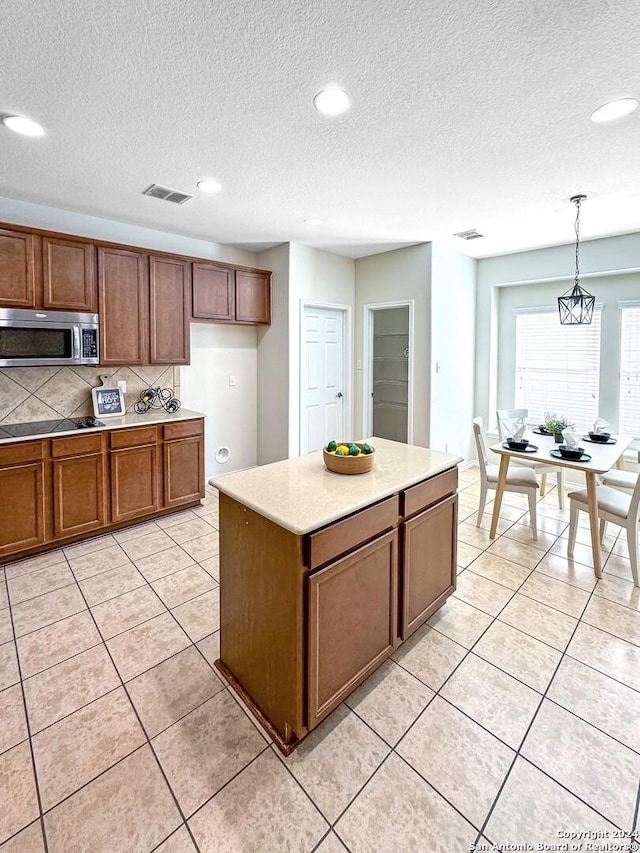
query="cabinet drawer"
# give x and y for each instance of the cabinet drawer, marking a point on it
(429, 492)
(134, 437)
(76, 445)
(183, 429)
(14, 454)
(345, 535)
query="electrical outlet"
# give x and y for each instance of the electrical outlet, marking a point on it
(232, 380)
(359, 364)
(122, 385)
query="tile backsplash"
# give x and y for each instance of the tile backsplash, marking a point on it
(46, 393)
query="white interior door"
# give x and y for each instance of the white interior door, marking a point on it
(323, 380)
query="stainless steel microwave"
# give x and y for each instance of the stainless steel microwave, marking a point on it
(33, 338)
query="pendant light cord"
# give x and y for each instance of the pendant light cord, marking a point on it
(578, 201)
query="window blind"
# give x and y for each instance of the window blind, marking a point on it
(557, 367)
(629, 414)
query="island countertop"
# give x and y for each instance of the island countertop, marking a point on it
(301, 495)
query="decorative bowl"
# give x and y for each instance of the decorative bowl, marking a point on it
(602, 437)
(517, 445)
(570, 452)
(348, 464)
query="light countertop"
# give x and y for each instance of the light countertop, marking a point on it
(300, 494)
(131, 419)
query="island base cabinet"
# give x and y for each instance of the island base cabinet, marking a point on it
(352, 624)
(428, 563)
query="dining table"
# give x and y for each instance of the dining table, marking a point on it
(604, 457)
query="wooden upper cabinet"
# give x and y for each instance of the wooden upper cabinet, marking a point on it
(69, 277)
(169, 310)
(213, 292)
(253, 297)
(123, 299)
(17, 269)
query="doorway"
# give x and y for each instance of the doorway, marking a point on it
(389, 366)
(325, 389)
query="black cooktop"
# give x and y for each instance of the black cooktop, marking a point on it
(43, 427)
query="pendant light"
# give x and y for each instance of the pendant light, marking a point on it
(576, 305)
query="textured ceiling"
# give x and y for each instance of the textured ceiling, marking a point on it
(464, 116)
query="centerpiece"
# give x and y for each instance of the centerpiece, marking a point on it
(348, 457)
(554, 425)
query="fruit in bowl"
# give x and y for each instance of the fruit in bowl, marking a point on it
(348, 457)
(602, 437)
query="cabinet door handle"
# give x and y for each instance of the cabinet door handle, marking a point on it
(339, 394)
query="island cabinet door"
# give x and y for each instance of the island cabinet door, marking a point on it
(352, 622)
(428, 574)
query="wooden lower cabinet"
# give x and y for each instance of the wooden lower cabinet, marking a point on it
(183, 464)
(56, 490)
(307, 618)
(78, 494)
(352, 626)
(22, 519)
(134, 482)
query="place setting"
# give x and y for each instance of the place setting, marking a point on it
(570, 450)
(600, 434)
(516, 440)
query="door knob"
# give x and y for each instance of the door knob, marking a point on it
(339, 394)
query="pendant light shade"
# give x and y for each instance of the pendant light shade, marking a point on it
(576, 305)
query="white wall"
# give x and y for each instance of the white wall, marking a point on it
(608, 268)
(218, 352)
(273, 362)
(314, 275)
(392, 276)
(453, 317)
(69, 222)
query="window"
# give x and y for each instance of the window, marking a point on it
(557, 367)
(629, 415)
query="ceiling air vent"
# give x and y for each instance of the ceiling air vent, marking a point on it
(469, 235)
(164, 193)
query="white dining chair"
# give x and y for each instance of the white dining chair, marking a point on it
(624, 481)
(541, 468)
(522, 480)
(613, 506)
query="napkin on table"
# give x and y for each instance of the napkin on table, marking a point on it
(519, 428)
(570, 438)
(601, 425)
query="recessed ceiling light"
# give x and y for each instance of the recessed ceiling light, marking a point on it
(614, 110)
(209, 186)
(332, 101)
(311, 221)
(23, 125)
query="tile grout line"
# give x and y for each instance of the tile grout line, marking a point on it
(29, 738)
(543, 696)
(144, 732)
(526, 734)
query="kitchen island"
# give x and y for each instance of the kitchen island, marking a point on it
(323, 575)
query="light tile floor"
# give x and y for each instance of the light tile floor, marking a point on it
(513, 717)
